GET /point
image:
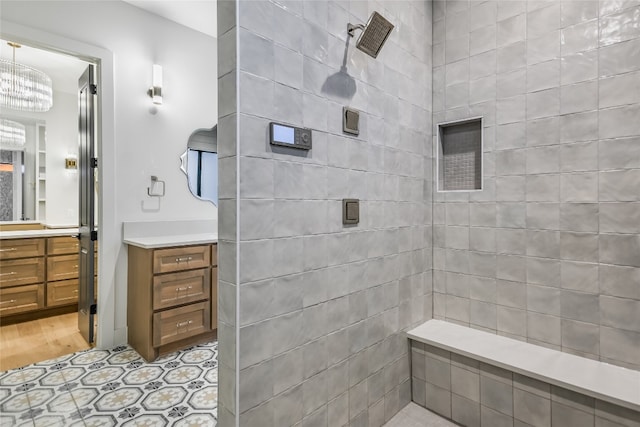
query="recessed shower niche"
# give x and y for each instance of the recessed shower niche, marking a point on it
(459, 159)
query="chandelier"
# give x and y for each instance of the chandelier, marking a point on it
(22, 87)
(12, 135)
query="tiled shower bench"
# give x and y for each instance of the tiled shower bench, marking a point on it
(480, 379)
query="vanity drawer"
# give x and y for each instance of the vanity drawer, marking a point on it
(174, 289)
(26, 271)
(179, 323)
(63, 292)
(21, 299)
(21, 248)
(62, 245)
(177, 259)
(62, 267)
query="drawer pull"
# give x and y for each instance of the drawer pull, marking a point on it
(11, 301)
(183, 259)
(75, 291)
(184, 289)
(9, 250)
(185, 323)
(11, 273)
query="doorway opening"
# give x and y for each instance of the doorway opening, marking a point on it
(48, 214)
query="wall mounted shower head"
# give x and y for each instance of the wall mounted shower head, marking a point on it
(374, 34)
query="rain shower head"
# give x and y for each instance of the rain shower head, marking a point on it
(374, 34)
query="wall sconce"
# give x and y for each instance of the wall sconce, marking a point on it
(155, 91)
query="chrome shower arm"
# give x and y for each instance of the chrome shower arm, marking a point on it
(351, 28)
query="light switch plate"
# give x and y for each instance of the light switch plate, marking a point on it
(350, 211)
(350, 121)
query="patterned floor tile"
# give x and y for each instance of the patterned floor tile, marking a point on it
(142, 375)
(182, 375)
(96, 388)
(147, 420)
(12, 378)
(89, 357)
(51, 421)
(164, 398)
(102, 376)
(196, 420)
(7, 420)
(15, 404)
(98, 421)
(207, 398)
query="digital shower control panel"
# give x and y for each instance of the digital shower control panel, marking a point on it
(289, 136)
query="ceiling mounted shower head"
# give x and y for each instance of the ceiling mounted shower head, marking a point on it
(374, 34)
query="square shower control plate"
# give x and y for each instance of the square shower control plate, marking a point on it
(350, 121)
(350, 211)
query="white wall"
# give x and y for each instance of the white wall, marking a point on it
(147, 142)
(62, 142)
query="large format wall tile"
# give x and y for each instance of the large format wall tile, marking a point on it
(323, 306)
(555, 229)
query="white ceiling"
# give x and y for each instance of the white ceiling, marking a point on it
(200, 15)
(64, 70)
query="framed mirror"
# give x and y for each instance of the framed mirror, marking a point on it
(200, 163)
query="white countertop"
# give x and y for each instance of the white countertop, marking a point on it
(154, 242)
(32, 234)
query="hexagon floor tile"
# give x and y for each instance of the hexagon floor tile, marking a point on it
(114, 387)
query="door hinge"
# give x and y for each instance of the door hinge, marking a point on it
(93, 89)
(94, 235)
(94, 162)
(93, 309)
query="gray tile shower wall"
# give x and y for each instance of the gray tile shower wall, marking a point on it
(227, 238)
(549, 251)
(322, 307)
(476, 394)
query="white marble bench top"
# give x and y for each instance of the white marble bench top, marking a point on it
(603, 381)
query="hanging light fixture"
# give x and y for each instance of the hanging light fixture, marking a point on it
(12, 135)
(22, 87)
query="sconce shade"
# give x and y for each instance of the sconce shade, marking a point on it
(155, 91)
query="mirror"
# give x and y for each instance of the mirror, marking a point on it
(200, 164)
(21, 156)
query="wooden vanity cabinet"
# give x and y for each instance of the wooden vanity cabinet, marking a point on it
(172, 298)
(62, 271)
(37, 274)
(22, 275)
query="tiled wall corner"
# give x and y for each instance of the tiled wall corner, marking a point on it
(227, 217)
(322, 306)
(549, 251)
(475, 394)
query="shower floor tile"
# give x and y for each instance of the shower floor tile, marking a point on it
(114, 388)
(414, 415)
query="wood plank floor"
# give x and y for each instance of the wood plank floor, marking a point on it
(37, 340)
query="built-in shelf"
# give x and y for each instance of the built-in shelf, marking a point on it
(459, 159)
(41, 168)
